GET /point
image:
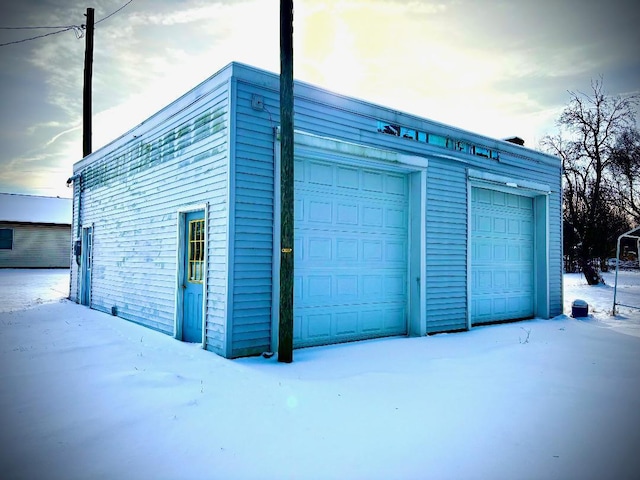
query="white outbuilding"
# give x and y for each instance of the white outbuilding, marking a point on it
(35, 231)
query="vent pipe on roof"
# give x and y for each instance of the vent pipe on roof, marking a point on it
(516, 140)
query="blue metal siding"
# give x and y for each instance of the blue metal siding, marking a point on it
(555, 249)
(446, 255)
(132, 190)
(253, 221)
(326, 114)
(133, 187)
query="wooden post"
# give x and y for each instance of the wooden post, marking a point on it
(86, 97)
(285, 332)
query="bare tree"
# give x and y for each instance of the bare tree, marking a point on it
(591, 126)
(626, 170)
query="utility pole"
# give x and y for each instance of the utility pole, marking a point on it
(285, 332)
(86, 93)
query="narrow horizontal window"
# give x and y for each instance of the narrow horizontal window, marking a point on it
(389, 129)
(460, 146)
(482, 152)
(438, 140)
(408, 133)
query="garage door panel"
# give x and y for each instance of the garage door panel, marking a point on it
(318, 326)
(371, 321)
(372, 181)
(347, 287)
(501, 256)
(372, 216)
(298, 289)
(325, 249)
(297, 328)
(396, 185)
(319, 173)
(320, 211)
(501, 307)
(333, 289)
(319, 288)
(351, 236)
(298, 210)
(395, 251)
(347, 324)
(347, 177)
(298, 250)
(371, 251)
(499, 226)
(298, 171)
(371, 184)
(396, 218)
(346, 250)
(346, 213)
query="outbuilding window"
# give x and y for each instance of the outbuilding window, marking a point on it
(6, 238)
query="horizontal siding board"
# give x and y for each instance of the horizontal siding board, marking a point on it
(37, 246)
(253, 225)
(446, 252)
(134, 214)
(196, 170)
(338, 117)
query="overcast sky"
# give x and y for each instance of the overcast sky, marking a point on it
(496, 67)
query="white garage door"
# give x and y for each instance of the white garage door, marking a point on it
(502, 238)
(350, 253)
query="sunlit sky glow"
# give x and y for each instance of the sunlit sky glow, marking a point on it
(499, 68)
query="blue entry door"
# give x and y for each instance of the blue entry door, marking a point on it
(85, 263)
(193, 277)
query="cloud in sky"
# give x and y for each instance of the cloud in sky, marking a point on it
(495, 67)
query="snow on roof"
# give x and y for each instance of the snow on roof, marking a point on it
(33, 209)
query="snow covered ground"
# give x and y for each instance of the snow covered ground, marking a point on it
(25, 288)
(84, 395)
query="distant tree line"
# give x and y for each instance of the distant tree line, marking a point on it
(599, 145)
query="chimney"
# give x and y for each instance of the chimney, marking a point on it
(516, 140)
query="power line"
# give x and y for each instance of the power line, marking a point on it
(78, 29)
(113, 13)
(32, 28)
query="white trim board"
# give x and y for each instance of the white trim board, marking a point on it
(509, 184)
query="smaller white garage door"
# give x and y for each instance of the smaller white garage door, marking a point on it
(502, 245)
(351, 234)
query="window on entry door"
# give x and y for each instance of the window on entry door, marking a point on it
(196, 251)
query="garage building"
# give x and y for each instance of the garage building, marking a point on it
(402, 225)
(35, 231)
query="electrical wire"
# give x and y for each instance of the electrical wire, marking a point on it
(74, 27)
(78, 29)
(32, 28)
(113, 13)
